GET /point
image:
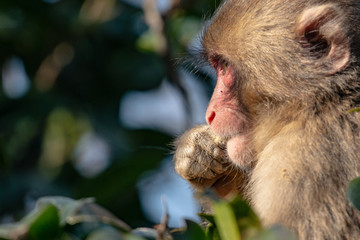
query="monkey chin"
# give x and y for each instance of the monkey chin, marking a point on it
(239, 152)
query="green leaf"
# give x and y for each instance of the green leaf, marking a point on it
(353, 110)
(353, 192)
(80, 211)
(42, 223)
(226, 221)
(242, 209)
(208, 217)
(248, 222)
(212, 232)
(211, 229)
(92, 212)
(193, 232)
(46, 224)
(66, 206)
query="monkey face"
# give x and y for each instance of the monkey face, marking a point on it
(265, 57)
(225, 113)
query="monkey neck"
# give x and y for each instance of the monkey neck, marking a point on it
(288, 179)
(325, 109)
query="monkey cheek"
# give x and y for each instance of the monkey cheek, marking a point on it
(238, 151)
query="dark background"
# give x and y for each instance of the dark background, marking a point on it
(66, 65)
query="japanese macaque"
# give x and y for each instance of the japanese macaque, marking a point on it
(278, 130)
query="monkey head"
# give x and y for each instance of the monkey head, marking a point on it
(267, 53)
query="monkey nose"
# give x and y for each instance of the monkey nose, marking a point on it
(210, 117)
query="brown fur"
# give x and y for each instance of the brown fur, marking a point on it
(295, 90)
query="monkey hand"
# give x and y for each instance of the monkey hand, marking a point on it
(201, 159)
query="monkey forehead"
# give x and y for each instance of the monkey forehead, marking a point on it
(240, 26)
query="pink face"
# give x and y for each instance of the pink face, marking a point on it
(225, 113)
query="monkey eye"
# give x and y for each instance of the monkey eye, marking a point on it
(219, 64)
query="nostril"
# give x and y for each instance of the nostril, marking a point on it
(211, 118)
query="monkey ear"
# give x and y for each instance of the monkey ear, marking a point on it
(320, 30)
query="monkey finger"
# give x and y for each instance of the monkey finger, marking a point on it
(202, 183)
(200, 171)
(207, 170)
(219, 155)
(207, 146)
(190, 168)
(218, 167)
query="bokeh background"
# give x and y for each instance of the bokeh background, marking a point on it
(92, 93)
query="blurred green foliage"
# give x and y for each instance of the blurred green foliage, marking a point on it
(65, 218)
(81, 57)
(353, 192)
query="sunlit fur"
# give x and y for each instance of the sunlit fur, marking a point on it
(297, 70)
